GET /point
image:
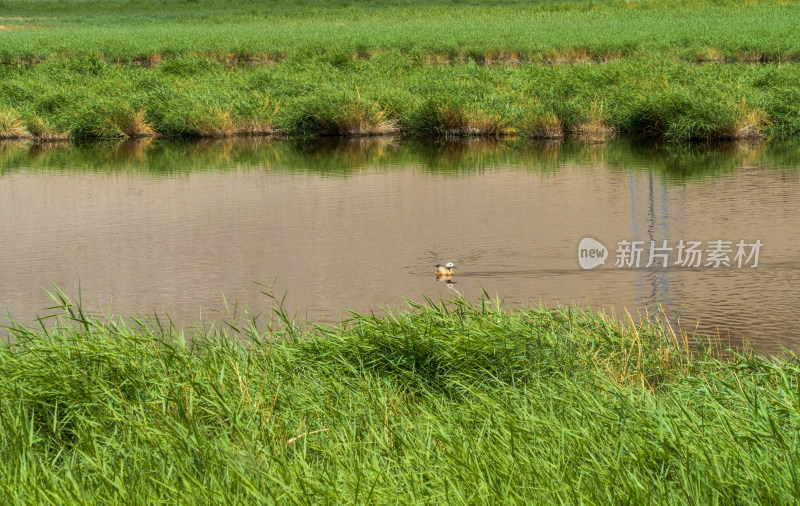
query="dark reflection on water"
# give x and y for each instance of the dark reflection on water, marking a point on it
(332, 156)
(168, 227)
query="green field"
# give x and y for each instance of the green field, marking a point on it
(690, 70)
(452, 402)
(528, 30)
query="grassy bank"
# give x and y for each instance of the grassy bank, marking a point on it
(393, 93)
(460, 403)
(681, 70)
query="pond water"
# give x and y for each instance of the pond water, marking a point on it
(158, 227)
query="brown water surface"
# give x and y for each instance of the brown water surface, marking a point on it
(160, 227)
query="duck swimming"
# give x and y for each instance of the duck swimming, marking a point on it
(445, 271)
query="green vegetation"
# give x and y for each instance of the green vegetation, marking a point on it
(681, 70)
(501, 30)
(193, 97)
(446, 402)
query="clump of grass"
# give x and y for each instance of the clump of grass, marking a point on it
(41, 129)
(11, 125)
(132, 123)
(755, 57)
(709, 54)
(545, 126)
(749, 122)
(680, 115)
(344, 116)
(213, 121)
(595, 128)
(253, 127)
(260, 122)
(480, 122)
(447, 118)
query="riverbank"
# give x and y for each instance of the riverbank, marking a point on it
(395, 94)
(697, 70)
(450, 402)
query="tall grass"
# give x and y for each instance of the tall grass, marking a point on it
(676, 70)
(595, 126)
(342, 116)
(393, 93)
(547, 31)
(454, 402)
(444, 117)
(132, 123)
(544, 125)
(11, 126)
(42, 130)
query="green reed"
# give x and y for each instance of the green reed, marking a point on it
(90, 98)
(457, 401)
(548, 31)
(679, 70)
